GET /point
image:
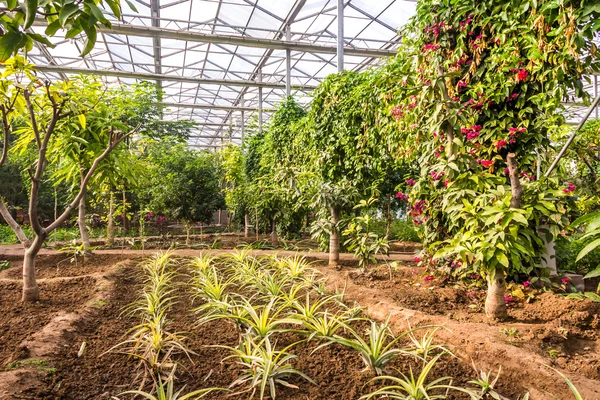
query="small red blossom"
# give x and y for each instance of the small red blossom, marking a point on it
(446, 182)
(486, 163)
(526, 284)
(436, 175)
(509, 299)
(570, 187)
(522, 75)
(416, 259)
(500, 144)
(401, 196)
(428, 278)
(566, 281)
(410, 181)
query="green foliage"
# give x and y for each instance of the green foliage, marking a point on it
(361, 239)
(73, 17)
(183, 183)
(592, 233)
(567, 249)
(479, 88)
(4, 264)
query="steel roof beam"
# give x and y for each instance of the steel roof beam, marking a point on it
(276, 44)
(215, 107)
(158, 77)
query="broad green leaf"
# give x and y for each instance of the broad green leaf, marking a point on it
(66, 12)
(589, 247)
(593, 273)
(30, 12)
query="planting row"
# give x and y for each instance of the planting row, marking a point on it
(275, 304)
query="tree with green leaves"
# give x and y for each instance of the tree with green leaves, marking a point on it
(36, 115)
(485, 82)
(74, 16)
(183, 183)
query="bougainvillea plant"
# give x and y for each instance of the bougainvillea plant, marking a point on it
(486, 82)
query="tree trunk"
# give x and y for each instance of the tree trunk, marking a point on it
(495, 305)
(110, 226)
(219, 218)
(515, 183)
(274, 237)
(85, 238)
(334, 239)
(31, 291)
(389, 216)
(256, 215)
(14, 225)
(246, 225)
(125, 219)
(188, 228)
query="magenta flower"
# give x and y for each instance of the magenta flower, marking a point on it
(565, 280)
(570, 187)
(486, 163)
(436, 175)
(428, 278)
(500, 144)
(401, 196)
(410, 182)
(526, 284)
(522, 75)
(509, 299)
(416, 259)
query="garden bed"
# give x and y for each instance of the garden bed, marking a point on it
(336, 369)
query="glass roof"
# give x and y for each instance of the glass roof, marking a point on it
(368, 24)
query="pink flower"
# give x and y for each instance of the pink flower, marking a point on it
(522, 75)
(509, 299)
(436, 175)
(397, 112)
(416, 259)
(429, 47)
(500, 144)
(446, 182)
(526, 284)
(486, 163)
(506, 171)
(401, 196)
(570, 188)
(410, 182)
(566, 281)
(428, 278)
(461, 84)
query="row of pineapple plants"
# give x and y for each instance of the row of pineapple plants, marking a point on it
(266, 296)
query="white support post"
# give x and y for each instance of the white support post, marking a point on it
(260, 103)
(243, 119)
(340, 35)
(288, 63)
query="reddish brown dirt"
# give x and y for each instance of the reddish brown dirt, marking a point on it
(60, 265)
(550, 330)
(336, 370)
(20, 320)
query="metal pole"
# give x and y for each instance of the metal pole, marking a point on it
(243, 119)
(340, 35)
(572, 137)
(288, 63)
(260, 103)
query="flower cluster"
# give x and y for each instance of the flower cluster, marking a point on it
(416, 259)
(428, 278)
(485, 163)
(464, 24)
(417, 212)
(401, 196)
(472, 132)
(397, 112)
(570, 187)
(437, 175)
(160, 220)
(430, 47)
(522, 75)
(435, 28)
(411, 182)
(528, 175)
(501, 144)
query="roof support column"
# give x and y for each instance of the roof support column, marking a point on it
(260, 102)
(340, 35)
(288, 63)
(243, 124)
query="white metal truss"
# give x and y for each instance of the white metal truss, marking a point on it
(220, 62)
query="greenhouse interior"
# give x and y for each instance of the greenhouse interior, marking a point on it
(300, 199)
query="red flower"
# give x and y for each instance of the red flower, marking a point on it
(486, 163)
(410, 181)
(522, 75)
(428, 278)
(500, 144)
(570, 187)
(401, 196)
(416, 259)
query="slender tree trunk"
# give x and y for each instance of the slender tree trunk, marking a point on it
(31, 291)
(495, 305)
(256, 215)
(110, 226)
(14, 225)
(188, 228)
(125, 219)
(389, 216)
(219, 218)
(85, 238)
(55, 214)
(246, 225)
(334, 239)
(274, 237)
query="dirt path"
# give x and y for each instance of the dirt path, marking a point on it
(17, 250)
(480, 342)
